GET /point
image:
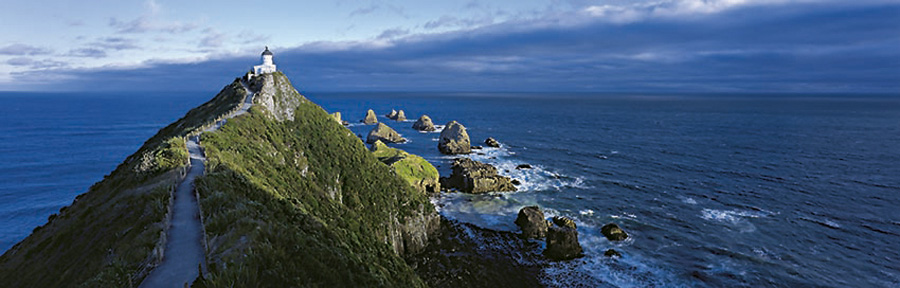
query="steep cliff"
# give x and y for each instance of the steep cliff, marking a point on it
(112, 235)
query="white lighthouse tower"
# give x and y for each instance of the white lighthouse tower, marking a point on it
(267, 65)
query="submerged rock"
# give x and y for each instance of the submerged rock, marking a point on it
(612, 253)
(563, 221)
(524, 166)
(531, 221)
(454, 139)
(613, 232)
(370, 117)
(491, 142)
(475, 177)
(385, 134)
(562, 243)
(424, 124)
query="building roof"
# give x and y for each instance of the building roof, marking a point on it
(267, 52)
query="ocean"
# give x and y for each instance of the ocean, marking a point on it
(714, 190)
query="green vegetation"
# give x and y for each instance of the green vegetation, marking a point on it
(412, 168)
(107, 236)
(171, 154)
(301, 203)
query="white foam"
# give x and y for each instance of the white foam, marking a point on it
(596, 270)
(689, 200)
(735, 218)
(537, 178)
(586, 212)
(495, 211)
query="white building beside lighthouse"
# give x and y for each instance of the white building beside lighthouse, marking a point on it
(267, 65)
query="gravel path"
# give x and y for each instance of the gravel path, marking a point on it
(184, 253)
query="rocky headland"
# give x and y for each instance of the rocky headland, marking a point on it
(290, 196)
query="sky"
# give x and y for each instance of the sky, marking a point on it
(730, 46)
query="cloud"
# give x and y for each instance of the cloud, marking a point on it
(375, 7)
(364, 10)
(393, 33)
(746, 48)
(212, 39)
(146, 24)
(115, 43)
(248, 37)
(22, 49)
(87, 52)
(75, 22)
(150, 21)
(448, 21)
(20, 61)
(35, 64)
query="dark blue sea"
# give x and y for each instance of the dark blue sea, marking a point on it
(715, 190)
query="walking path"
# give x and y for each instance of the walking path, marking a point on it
(184, 251)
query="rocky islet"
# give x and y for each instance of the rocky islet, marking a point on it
(424, 124)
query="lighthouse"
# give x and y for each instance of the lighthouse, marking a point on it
(267, 65)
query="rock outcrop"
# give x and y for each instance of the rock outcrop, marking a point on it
(337, 117)
(562, 243)
(420, 174)
(491, 142)
(424, 124)
(385, 134)
(370, 117)
(563, 221)
(454, 139)
(396, 115)
(276, 94)
(475, 177)
(613, 232)
(531, 221)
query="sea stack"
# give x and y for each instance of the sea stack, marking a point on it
(370, 117)
(562, 243)
(401, 116)
(424, 124)
(454, 139)
(385, 134)
(531, 221)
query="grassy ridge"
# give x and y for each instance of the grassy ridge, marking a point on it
(301, 203)
(108, 235)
